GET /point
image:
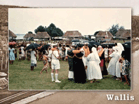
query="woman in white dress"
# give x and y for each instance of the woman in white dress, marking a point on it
(22, 52)
(93, 68)
(112, 64)
(120, 49)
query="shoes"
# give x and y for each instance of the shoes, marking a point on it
(58, 81)
(2, 74)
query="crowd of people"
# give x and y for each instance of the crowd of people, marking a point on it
(85, 63)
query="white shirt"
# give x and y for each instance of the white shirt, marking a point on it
(54, 56)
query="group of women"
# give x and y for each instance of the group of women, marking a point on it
(91, 63)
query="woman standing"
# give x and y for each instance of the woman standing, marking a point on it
(22, 52)
(78, 66)
(102, 59)
(11, 54)
(112, 64)
(120, 49)
(93, 68)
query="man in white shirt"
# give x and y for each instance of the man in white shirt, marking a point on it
(33, 59)
(55, 64)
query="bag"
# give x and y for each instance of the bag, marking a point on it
(55, 56)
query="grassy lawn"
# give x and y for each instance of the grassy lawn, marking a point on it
(22, 78)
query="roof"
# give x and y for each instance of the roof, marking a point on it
(123, 34)
(41, 35)
(29, 35)
(11, 34)
(72, 34)
(104, 34)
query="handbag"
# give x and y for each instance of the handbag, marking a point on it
(55, 56)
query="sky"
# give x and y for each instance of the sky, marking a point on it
(134, 4)
(86, 20)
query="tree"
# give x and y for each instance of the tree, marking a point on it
(115, 28)
(59, 32)
(40, 29)
(50, 28)
(53, 31)
(30, 32)
(122, 28)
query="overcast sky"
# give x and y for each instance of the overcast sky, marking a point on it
(85, 20)
(75, 3)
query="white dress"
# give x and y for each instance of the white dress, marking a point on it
(33, 58)
(22, 51)
(93, 68)
(112, 64)
(118, 71)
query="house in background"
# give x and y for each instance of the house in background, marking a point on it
(73, 35)
(103, 36)
(123, 34)
(29, 36)
(42, 36)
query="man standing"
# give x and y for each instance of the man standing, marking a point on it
(55, 64)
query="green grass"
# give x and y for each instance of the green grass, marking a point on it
(22, 78)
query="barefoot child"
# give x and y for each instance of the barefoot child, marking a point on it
(45, 62)
(125, 68)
